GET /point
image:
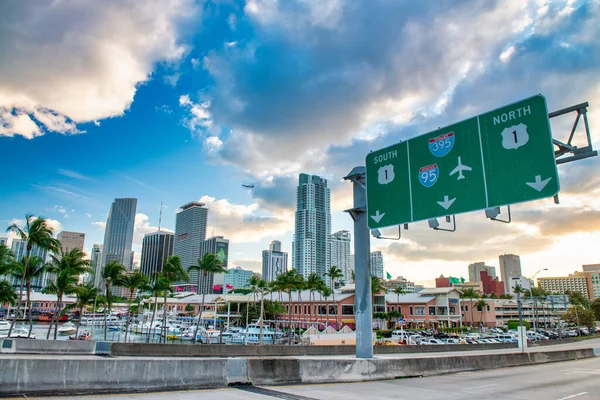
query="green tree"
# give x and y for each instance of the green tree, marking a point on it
(189, 308)
(7, 293)
(399, 291)
(577, 299)
(160, 286)
(481, 305)
(313, 282)
(325, 291)
(208, 264)
(470, 294)
(67, 266)
(7, 260)
(595, 307)
(36, 268)
(174, 272)
(580, 316)
(288, 282)
(334, 273)
(111, 275)
(133, 282)
(86, 294)
(36, 232)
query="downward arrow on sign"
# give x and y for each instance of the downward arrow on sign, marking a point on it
(377, 217)
(539, 184)
(446, 203)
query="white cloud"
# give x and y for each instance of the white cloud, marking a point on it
(507, 54)
(200, 120)
(244, 223)
(88, 215)
(94, 55)
(143, 226)
(100, 225)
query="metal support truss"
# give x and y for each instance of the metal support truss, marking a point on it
(576, 153)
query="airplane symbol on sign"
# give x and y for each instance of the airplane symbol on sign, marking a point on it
(460, 168)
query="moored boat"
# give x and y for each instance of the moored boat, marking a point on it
(68, 328)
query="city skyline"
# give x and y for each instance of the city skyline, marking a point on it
(240, 95)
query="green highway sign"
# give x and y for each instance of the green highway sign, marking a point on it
(502, 157)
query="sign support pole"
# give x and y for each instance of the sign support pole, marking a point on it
(362, 276)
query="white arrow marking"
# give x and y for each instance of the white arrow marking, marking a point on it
(377, 217)
(446, 203)
(539, 184)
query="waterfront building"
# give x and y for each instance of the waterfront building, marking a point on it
(190, 233)
(96, 259)
(310, 249)
(510, 267)
(339, 254)
(19, 249)
(576, 282)
(274, 262)
(405, 284)
(476, 268)
(219, 246)
(118, 235)
(156, 248)
(236, 278)
(376, 264)
(71, 240)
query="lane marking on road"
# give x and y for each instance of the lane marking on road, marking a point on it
(573, 395)
(479, 387)
(271, 393)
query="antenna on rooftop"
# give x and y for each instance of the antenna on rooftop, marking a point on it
(160, 215)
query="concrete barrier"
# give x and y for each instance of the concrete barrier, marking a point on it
(29, 346)
(41, 375)
(185, 350)
(91, 374)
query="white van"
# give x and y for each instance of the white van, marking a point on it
(400, 335)
(506, 338)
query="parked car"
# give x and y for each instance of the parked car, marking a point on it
(431, 341)
(473, 335)
(507, 338)
(496, 330)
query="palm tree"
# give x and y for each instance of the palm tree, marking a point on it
(111, 275)
(470, 294)
(334, 273)
(38, 233)
(67, 267)
(399, 290)
(160, 286)
(173, 272)
(287, 282)
(299, 286)
(6, 260)
(480, 304)
(7, 293)
(312, 283)
(37, 267)
(208, 264)
(86, 294)
(326, 291)
(132, 282)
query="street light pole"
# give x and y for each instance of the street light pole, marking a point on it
(531, 295)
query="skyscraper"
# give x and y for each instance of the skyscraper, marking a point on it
(19, 249)
(476, 268)
(376, 264)
(219, 246)
(71, 240)
(190, 233)
(156, 248)
(274, 262)
(96, 259)
(510, 267)
(310, 249)
(339, 254)
(118, 235)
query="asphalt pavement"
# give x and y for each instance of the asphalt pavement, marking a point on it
(576, 380)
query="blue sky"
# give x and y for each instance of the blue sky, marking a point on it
(174, 101)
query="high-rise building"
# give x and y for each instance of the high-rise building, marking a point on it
(577, 282)
(71, 240)
(236, 278)
(310, 249)
(4, 240)
(19, 249)
(190, 233)
(593, 272)
(274, 262)
(376, 264)
(156, 248)
(476, 268)
(510, 267)
(219, 246)
(339, 254)
(118, 235)
(96, 259)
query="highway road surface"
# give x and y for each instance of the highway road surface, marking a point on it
(576, 380)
